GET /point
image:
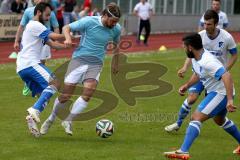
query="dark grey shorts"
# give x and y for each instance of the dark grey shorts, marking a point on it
(78, 71)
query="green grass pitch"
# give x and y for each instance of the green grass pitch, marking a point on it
(139, 130)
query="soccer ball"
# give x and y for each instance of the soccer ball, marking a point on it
(104, 128)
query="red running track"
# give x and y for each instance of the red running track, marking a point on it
(155, 41)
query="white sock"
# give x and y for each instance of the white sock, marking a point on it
(79, 105)
(57, 106)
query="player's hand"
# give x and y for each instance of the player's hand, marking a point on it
(182, 90)
(181, 72)
(230, 106)
(68, 43)
(16, 46)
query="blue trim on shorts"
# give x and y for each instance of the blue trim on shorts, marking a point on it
(220, 109)
(34, 80)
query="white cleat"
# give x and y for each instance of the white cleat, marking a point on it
(34, 114)
(67, 125)
(172, 127)
(178, 154)
(45, 126)
(32, 126)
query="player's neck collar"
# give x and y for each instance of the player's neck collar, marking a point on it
(215, 36)
(100, 20)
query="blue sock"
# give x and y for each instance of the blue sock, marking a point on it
(44, 98)
(182, 114)
(231, 128)
(192, 132)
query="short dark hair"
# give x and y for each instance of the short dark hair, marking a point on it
(194, 40)
(217, 1)
(112, 10)
(41, 7)
(211, 14)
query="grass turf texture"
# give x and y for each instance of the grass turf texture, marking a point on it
(139, 130)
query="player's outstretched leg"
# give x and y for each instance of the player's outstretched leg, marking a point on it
(231, 129)
(186, 107)
(182, 114)
(50, 120)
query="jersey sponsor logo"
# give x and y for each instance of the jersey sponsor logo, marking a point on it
(220, 44)
(216, 53)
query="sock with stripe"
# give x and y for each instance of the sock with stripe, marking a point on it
(183, 112)
(45, 97)
(192, 132)
(232, 129)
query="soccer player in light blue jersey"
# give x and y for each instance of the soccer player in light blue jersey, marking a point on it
(87, 61)
(219, 99)
(218, 42)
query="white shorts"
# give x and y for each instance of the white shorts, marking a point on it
(78, 72)
(46, 52)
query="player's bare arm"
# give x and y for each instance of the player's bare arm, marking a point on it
(228, 83)
(232, 61)
(185, 67)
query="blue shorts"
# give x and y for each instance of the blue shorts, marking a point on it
(214, 104)
(36, 77)
(196, 88)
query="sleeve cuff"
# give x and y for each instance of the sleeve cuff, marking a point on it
(233, 51)
(219, 73)
(44, 35)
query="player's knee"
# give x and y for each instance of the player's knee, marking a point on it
(56, 83)
(86, 98)
(192, 98)
(219, 121)
(63, 98)
(88, 93)
(197, 116)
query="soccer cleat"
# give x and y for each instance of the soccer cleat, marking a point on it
(45, 126)
(237, 150)
(67, 125)
(26, 91)
(32, 126)
(178, 154)
(34, 113)
(172, 127)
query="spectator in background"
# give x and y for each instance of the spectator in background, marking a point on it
(59, 16)
(87, 3)
(25, 4)
(223, 20)
(143, 10)
(75, 13)
(55, 5)
(30, 3)
(76, 17)
(95, 12)
(18, 6)
(68, 8)
(84, 12)
(6, 6)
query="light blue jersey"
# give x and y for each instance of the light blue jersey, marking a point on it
(29, 14)
(95, 37)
